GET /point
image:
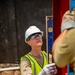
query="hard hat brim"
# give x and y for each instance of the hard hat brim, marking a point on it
(28, 38)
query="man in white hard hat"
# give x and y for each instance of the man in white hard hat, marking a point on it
(35, 62)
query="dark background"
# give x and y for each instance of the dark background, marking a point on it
(15, 17)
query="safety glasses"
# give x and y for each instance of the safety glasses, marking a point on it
(35, 36)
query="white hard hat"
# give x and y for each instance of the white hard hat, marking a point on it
(32, 30)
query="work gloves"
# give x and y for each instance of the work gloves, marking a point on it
(68, 20)
(49, 69)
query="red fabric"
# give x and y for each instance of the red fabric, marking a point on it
(59, 8)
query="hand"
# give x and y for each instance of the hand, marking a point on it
(68, 20)
(49, 69)
(68, 16)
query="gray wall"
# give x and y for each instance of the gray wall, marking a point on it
(15, 17)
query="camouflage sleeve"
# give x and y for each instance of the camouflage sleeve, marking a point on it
(25, 67)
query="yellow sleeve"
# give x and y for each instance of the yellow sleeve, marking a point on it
(62, 53)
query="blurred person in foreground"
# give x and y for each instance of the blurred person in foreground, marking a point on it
(35, 62)
(63, 49)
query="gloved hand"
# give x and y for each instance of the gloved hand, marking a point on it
(49, 69)
(68, 20)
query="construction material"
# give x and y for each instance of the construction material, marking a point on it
(9, 68)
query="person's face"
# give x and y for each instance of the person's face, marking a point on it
(35, 40)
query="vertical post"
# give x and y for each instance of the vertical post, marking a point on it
(71, 7)
(49, 37)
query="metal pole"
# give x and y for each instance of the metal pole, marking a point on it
(10, 68)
